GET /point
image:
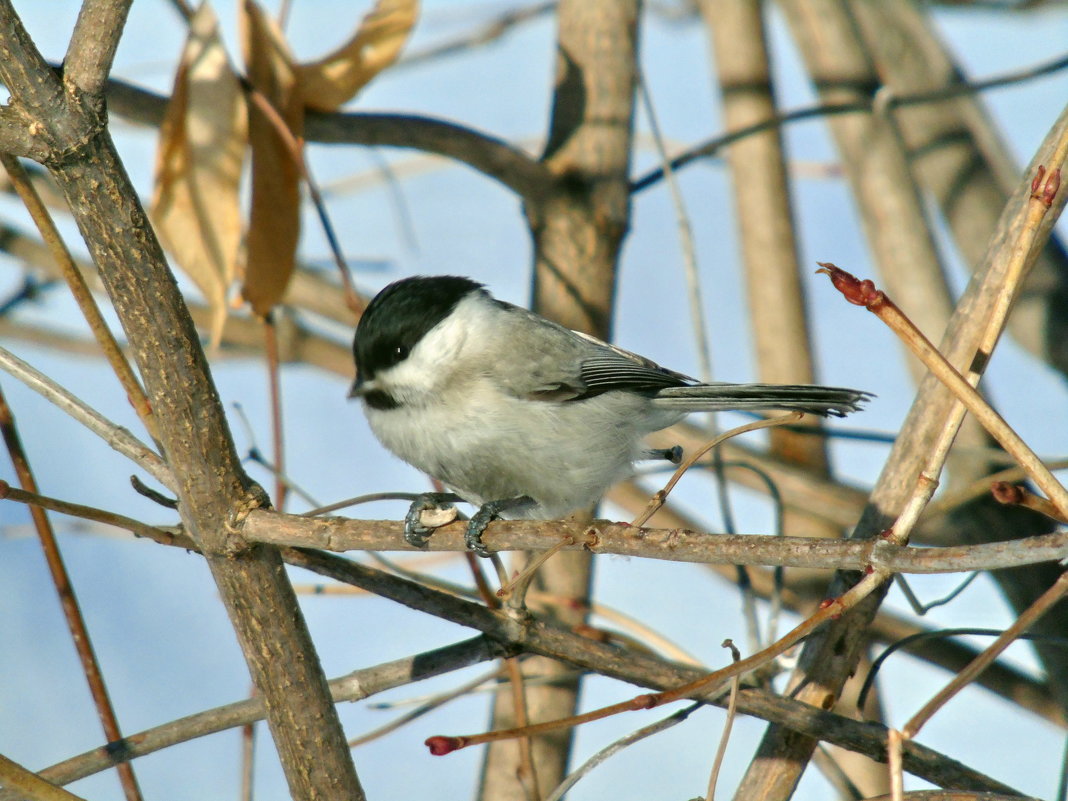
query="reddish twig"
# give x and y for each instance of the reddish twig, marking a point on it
(440, 745)
(50, 235)
(1018, 495)
(68, 601)
(274, 380)
(864, 293)
(660, 497)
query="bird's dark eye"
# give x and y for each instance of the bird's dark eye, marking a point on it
(400, 353)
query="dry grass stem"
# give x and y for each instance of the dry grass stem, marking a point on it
(724, 738)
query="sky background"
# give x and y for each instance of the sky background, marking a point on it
(163, 639)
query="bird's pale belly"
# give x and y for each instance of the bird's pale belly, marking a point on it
(547, 451)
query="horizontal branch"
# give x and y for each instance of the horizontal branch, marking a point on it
(545, 638)
(712, 146)
(493, 157)
(676, 545)
(354, 686)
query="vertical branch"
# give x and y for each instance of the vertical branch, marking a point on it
(875, 160)
(769, 248)
(764, 212)
(963, 164)
(872, 152)
(213, 491)
(578, 228)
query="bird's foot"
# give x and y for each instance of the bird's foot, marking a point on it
(415, 532)
(488, 512)
(672, 454)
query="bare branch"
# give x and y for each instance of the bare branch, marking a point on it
(213, 489)
(114, 435)
(483, 152)
(93, 44)
(547, 639)
(353, 686)
(676, 545)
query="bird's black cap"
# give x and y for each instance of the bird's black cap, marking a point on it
(401, 315)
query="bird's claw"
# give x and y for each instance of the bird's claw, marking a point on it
(486, 514)
(476, 527)
(415, 533)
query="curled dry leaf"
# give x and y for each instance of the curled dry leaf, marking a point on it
(195, 205)
(274, 220)
(334, 79)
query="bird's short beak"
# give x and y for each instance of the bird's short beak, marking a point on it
(360, 388)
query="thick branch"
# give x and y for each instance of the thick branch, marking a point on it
(212, 488)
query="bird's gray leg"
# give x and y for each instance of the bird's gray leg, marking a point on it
(672, 454)
(488, 512)
(415, 533)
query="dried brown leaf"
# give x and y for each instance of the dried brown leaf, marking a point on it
(334, 79)
(195, 204)
(274, 220)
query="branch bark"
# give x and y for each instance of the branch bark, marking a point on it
(214, 492)
(578, 227)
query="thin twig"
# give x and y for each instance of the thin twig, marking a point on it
(864, 293)
(686, 243)
(893, 753)
(526, 772)
(1041, 605)
(274, 381)
(712, 146)
(116, 436)
(741, 572)
(661, 496)
(429, 705)
(724, 738)
(72, 612)
(22, 184)
(904, 642)
(640, 734)
(9, 493)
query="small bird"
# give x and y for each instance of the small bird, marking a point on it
(518, 415)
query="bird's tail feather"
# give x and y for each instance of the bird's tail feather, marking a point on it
(824, 401)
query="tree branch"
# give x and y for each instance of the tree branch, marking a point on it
(489, 155)
(538, 636)
(354, 686)
(93, 44)
(676, 545)
(212, 488)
